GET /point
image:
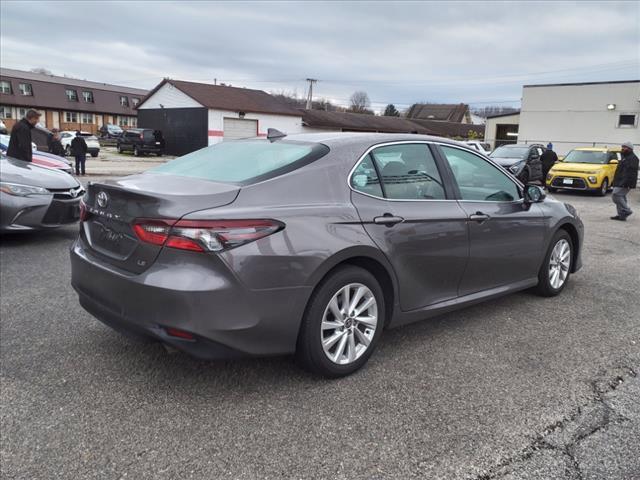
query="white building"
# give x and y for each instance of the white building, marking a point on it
(501, 129)
(194, 115)
(580, 114)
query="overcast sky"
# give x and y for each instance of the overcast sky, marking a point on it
(398, 52)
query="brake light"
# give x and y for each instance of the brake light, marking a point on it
(204, 235)
(141, 137)
(84, 213)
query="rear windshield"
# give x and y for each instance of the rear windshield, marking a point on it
(244, 162)
(148, 135)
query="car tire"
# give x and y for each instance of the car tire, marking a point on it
(552, 190)
(94, 155)
(119, 148)
(330, 346)
(159, 154)
(136, 152)
(556, 267)
(604, 188)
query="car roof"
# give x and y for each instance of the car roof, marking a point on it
(599, 149)
(345, 139)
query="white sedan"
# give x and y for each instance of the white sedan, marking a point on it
(92, 142)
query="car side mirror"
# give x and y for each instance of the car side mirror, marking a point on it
(613, 161)
(533, 194)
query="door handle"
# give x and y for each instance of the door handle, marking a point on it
(479, 217)
(388, 219)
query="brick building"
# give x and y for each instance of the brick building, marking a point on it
(66, 103)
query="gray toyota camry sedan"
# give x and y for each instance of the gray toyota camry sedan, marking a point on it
(33, 197)
(313, 244)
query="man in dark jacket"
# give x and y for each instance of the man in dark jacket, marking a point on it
(55, 145)
(20, 140)
(79, 149)
(548, 159)
(625, 179)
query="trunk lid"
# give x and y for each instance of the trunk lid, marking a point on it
(114, 205)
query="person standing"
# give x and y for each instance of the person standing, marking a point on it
(20, 140)
(79, 149)
(625, 179)
(55, 144)
(548, 159)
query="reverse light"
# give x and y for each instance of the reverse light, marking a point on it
(204, 235)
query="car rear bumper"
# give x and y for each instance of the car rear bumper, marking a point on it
(226, 319)
(93, 150)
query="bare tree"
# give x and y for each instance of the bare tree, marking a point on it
(360, 102)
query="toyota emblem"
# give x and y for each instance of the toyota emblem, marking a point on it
(103, 199)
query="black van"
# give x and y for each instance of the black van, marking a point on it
(141, 141)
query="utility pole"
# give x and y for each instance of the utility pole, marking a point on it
(310, 94)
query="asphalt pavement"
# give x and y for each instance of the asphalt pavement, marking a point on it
(518, 388)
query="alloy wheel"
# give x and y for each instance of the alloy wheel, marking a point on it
(349, 323)
(559, 263)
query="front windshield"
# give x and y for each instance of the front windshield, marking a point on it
(585, 156)
(510, 152)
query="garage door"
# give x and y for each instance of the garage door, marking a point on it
(235, 128)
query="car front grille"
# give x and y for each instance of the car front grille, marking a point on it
(577, 183)
(67, 193)
(60, 212)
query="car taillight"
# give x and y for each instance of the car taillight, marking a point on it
(84, 213)
(141, 137)
(204, 235)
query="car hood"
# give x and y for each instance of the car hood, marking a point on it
(26, 173)
(506, 162)
(577, 167)
(50, 160)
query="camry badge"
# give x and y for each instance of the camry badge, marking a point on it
(103, 199)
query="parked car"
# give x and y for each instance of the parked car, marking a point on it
(482, 147)
(141, 141)
(306, 244)
(44, 159)
(93, 145)
(3, 128)
(110, 131)
(521, 160)
(585, 168)
(34, 197)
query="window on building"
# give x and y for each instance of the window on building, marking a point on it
(133, 122)
(124, 101)
(71, 117)
(6, 112)
(25, 89)
(88, 96)
(135, 101)
(22, 112)
(5, 87)
(627, 120)
(72, 95)
(86, 118)
(123, 121)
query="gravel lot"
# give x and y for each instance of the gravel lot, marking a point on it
(518, 388)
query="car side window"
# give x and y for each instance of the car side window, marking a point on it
(365, 178)
(408, 172)
(477, 179)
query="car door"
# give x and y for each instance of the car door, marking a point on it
(506, 235)
(410, 214)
